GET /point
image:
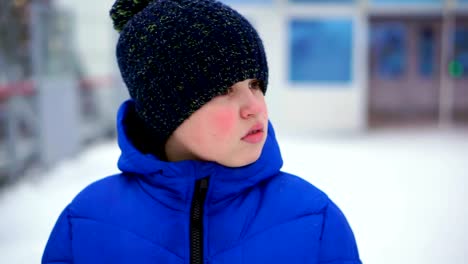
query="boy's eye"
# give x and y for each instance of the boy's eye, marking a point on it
(256, 85)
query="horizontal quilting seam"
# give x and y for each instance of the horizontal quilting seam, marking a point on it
(128, 231)
(266, 230)
(342, 261)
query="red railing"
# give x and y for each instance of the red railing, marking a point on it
(27, 87)
(22, 88)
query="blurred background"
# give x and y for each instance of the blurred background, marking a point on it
(369, 99)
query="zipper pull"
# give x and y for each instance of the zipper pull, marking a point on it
(204, 184)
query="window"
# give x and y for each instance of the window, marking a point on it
(459, 66)
(320, 50)
(389, 49)
(407, 1)
(426, 52)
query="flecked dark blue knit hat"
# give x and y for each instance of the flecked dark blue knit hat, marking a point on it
(176, 55)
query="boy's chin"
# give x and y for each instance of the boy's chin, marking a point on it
(235, 163)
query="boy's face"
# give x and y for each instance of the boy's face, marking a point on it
(230, 129)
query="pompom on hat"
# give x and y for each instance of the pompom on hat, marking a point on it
(176, 55)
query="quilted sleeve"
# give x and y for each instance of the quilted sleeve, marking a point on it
(58, 248)
(338, 245)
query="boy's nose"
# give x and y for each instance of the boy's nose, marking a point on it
(252, 104)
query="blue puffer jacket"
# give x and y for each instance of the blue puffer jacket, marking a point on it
(200, 212)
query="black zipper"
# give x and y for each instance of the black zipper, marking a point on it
(196, 221)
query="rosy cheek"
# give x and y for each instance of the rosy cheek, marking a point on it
(265, 110)
(224, 122)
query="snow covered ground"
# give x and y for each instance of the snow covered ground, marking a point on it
(402, 192)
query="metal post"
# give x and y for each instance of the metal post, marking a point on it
(12, 138)
(446, 99)
(57, 92)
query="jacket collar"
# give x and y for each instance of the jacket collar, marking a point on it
(172, 183)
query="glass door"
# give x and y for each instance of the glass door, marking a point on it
(404, 70)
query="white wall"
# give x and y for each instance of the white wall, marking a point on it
(94, 34)
(312, 108)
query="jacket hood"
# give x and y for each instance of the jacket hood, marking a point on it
(172, 183)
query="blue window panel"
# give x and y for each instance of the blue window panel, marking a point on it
(234, 2)
(459, 66)
(426, 52)
(324, 1)
(388, 47)
(407, 1)
(320, 50)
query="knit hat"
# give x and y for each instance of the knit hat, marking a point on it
(176, 55)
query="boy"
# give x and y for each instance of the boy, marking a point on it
(201, 179)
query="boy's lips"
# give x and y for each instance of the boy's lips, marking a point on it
(255, 134)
